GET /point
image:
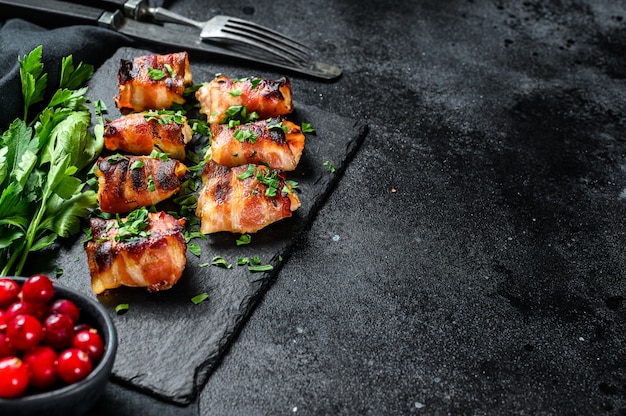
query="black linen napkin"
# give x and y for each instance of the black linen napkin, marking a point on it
(89, 44)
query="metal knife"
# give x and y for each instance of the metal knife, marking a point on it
(62, 14)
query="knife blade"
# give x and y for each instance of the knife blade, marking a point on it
(63, 14)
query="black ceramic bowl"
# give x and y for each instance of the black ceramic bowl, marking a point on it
(77, 398)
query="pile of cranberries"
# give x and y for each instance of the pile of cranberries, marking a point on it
(43, 344)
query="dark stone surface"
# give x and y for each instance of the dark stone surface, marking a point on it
(159, 326)
(471, 259)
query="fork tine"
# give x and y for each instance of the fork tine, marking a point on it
(268, 33)
(236, 31)
(274, 50)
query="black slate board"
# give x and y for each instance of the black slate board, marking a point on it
(167, 345)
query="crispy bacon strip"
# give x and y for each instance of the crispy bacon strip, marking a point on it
(156, 262)
(262, 142)
(236, 200)
(269, 98)
(141, 133)
(129, 182)
(152, 82)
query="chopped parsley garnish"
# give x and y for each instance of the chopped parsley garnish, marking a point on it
(195, 248)
(244, 239)
(116, 158)
(220, 262)
(277, 125)
(151, 186)
(156, 74)
(199, 298)
(307, 128)
(137, 164)
(134, 226)
(261, 268)
(239, 113)
(122, 308)
(165, 116)
(245, 134)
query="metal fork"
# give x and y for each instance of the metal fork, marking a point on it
(226, 29)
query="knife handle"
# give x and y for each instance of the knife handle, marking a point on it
(135, 9)
(52, 12)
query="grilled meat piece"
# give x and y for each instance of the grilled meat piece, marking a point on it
(269, 98)
(129, 182)
(262, 142)
(243, 199)
(152, 255)
(141, 133)
(152, 82)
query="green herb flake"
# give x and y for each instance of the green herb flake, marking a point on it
(235, 93)
(169, 69)
(330, 166)
(220, 262)
(244, 239)
(307, 128)
(200, 298)
(137, 164)
(156, 74)
(151, 186)
(261, 268)
(195, 249)
(242, 261)
(122, 308)
(248, 173)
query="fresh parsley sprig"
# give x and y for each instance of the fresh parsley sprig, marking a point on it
(41, 195)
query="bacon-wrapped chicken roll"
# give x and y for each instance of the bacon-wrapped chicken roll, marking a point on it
(275, 142)
(152, 82)
(243, 199)
(129, 182)
(142, 250)
(269, 98)
(141, 133)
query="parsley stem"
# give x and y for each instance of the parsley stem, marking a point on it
(7, 267)
(31, 233)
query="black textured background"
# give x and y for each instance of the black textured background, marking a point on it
(471, 260)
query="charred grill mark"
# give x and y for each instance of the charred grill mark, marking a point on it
(127, 71)
(223, 189)
(110, 130)
(137, 177)
(271, 88)
(154, 128)
(165, 177)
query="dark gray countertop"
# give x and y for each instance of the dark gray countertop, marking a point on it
(470, 261)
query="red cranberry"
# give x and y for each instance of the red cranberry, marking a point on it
(65, 307)
(13, 377)
(6, 349)
(73, 365)
(42, 365)
(90, 341)
(26, 308)
(59, 331)
(3, 319)
(24, 332)
(9, 289)
(38, 289)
